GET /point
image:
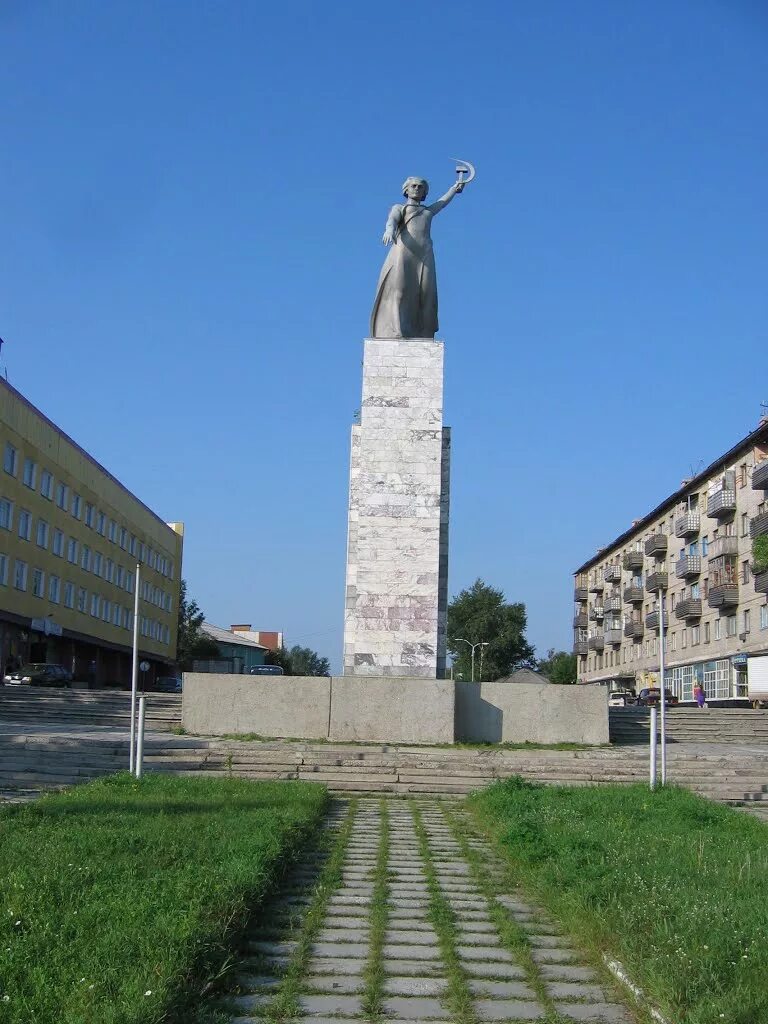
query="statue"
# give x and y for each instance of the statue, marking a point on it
(406, 298)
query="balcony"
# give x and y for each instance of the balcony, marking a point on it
(687, 525)
(687, 566)
(656, 581)
(633, 594)
(657, 544)
(612, 574)
(580, 648)
(613, 636)
(580, 594)
(633, 560)
(596, 586)
(760, 581)
(652, 620)
(612, 604)
(721, 503)
(596, 643)
(580, 621)
(725, 595)
(760, 476)
(634, 629)
(723, 546)
(597, 613)
(690, 608)
(759, 525)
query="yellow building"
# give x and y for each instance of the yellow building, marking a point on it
(71, 536)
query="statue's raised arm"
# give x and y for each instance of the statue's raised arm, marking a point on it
(406, 298)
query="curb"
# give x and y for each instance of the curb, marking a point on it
(618, 971)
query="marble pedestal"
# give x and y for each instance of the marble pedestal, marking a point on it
(397, 547)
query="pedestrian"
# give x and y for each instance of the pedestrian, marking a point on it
(699, 695)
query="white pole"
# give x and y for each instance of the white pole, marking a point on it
(473, 646)
(653, 747)
(662, 687)
(140, 737)
(135, 670)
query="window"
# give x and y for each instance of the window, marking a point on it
(718, 629)
(69, 595)
(89, 514)
(77, 503)
(101, 524)
(115, 614)
(95, 605)
(704, 545)
(4, 573)
(743, 475)
(706, 632)
(85, 558)
(82, 599)
(10, 459)
(106, 610)
(744, 524)
(695, 591)
(674, 641)
(25, 524)
(693, 549)
(20, 575)
(29, 475)
(129, 577)
(745, 572)
(746, 621)
(695, 636)
(54, 586)
(120, 577)
(112, 530)
(38, 582)
(730, 626)
(62, 496)
(684, 636)
(58, 543)
(42, 533)
(72, 551)
(123, 538)
(132, 544)
(763, 614)
(97, 563)
(109, 573)
(6, 514)
(717, 679)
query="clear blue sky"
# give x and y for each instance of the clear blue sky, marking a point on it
(192, 196)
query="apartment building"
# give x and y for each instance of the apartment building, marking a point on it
(71, 536)
(696, 560)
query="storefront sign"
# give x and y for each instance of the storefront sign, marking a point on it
(739, 659)
(47, 626)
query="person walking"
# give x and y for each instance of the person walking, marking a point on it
(699, 695)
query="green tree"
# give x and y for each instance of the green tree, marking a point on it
(192, 642)
(482, 613)
(299, 661)
(558, 666)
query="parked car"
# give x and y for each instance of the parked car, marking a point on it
(265, 670)
(620, 698)
(649, 697)
(39, 674)
(167, 684)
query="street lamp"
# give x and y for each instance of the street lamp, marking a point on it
(481, 644)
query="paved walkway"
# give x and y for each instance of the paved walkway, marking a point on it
(419, 927)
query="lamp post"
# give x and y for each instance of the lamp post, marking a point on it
(481, 644)
(662, 689)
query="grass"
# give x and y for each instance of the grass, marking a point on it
(674, 886)
(120, 900)
(378, 917)
(443, 919)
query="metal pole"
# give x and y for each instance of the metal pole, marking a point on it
(473, 646)
(140, 737)
(482, 649)
(134, 670)
(654, 738)
(663, 692)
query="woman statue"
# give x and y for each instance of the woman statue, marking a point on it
(406, 298)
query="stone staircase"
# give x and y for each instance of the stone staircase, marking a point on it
(692, 725)
(110, 708)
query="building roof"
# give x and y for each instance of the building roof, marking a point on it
(226, 636)
(82, 451)
(760, 435)
(525, 675)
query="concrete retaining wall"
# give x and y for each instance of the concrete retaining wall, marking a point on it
(531, 712)
(387, 710)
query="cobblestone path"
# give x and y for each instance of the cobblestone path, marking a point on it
(412, 922)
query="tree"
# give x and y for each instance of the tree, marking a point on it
(192, 642)
(479, 614)
(299, 661)
(558, 666)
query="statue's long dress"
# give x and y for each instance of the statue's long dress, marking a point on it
(406, 298)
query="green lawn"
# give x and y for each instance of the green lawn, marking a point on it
(674, 886)
(119, 900)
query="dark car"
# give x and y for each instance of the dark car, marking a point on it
(40, 673)
(649, 697)
(167, 684)
(265, 670)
